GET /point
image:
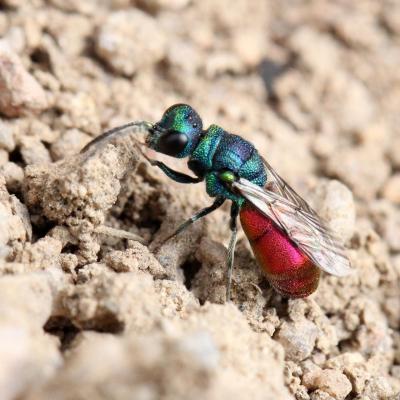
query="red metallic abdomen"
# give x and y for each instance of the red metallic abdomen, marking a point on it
(289, 271)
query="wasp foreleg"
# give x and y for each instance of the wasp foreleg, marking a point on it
(174, 175)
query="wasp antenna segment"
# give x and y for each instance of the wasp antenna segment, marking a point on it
(118, 132)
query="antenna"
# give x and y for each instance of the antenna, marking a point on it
(118, 132)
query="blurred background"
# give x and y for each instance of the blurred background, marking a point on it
(315, 85)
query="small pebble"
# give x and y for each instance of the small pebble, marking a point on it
(394, 151)
(7, 141)
(330, 381)
(352, 104)
(33, 151)
(20, 93)
(164, 4)
(298, 339)
(13, 3)
(70, 142)
(322, 57)
(249, 44)
(335, 204)
(13, 174)
(129, 41)
(3, 157)
(79, 111)
(391, 17)
(358, 30)
(391, 190)
(363, 169)
(76, 6)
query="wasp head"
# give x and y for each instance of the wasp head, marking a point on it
(177, 133)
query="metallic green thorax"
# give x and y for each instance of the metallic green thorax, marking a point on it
(222, 157)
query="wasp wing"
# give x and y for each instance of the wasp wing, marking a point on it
(285, 190)
(298, 220)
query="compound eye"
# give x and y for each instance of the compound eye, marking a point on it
(172, 143)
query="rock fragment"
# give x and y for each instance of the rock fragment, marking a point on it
(329, 86)
(387, 220)
(297, 338)
(13, 175)
(7, 140)
(330, 381)
(146, 364)
(20, 93)
(79, 111)
(391, 17)
(113, 302)
(70, 143)
(33, 151)
(29, 355)
(164, 4)
(3, 157)
(61, 190)
(394, 152)
(391, 190)
(322, 57)
(358, 30)
(379, 388)
(350, 102)
(363, 168)
(129, 41)
(15, 224)
(334, 203)
(136, 258)
(76, 6)
(149, 371)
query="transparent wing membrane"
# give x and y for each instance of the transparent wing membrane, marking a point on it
(279, 202)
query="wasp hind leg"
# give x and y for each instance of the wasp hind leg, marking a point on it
(202, 213)
(231, 249)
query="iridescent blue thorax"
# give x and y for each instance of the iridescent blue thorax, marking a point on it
(219, 151)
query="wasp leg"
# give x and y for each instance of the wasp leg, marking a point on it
(202, 213)
(174, 175)
(231, 249)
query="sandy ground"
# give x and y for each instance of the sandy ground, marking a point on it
(315, 85)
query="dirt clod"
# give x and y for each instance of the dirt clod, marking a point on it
(95, 303)
(20, 93)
